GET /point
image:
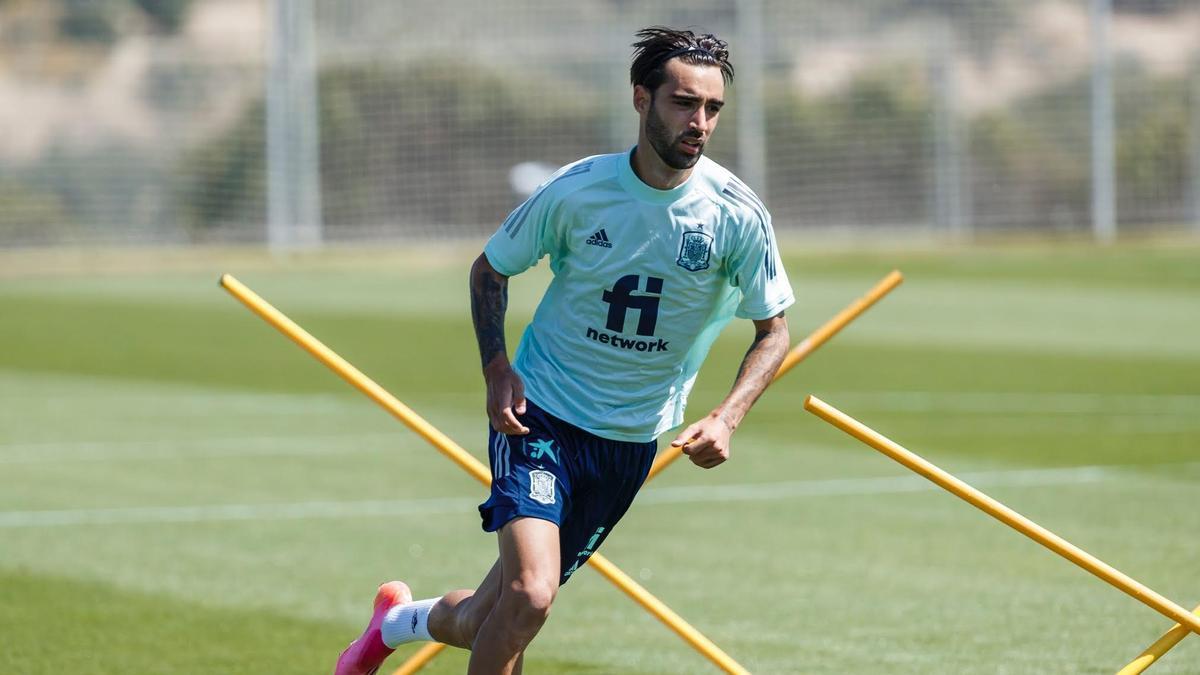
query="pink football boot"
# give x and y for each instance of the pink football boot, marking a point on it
(367, 653)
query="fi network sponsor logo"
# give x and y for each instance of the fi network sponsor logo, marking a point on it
(621, 301)
(600, 238)
(621, 342)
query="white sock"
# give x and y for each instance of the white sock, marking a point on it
(407, 623)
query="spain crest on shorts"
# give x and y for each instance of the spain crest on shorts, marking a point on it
(695, 251)
(541, 486)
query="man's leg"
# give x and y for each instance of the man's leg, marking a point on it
(453, 619)
(456, 618)
(529, 571)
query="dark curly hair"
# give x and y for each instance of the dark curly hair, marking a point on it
(659, 44)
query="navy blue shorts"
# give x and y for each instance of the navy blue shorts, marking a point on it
(563, 474)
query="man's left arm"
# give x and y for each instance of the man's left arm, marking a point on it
(706, 441)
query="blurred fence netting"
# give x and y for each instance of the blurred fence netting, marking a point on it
(217, 121)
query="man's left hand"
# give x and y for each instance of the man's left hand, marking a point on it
(706, 442)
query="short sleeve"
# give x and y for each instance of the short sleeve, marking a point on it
(525, 237)
(756, 269)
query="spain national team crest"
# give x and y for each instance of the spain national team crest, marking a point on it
(541, 486)
(695, 251)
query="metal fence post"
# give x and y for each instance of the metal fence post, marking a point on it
(751, 116)
(1104, 225)
(951, 189)
(293, 137)
(1194, 150)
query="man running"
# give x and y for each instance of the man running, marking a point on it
(653, 251)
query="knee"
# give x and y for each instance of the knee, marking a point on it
(529, 599)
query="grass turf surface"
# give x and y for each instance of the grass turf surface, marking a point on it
(184, 491)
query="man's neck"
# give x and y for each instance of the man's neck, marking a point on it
(652, 171)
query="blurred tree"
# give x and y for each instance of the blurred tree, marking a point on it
(88, 21)
(858, 155)
(1153, 137)
(30, 214)
(168, 15)
(99, 21)
(1151, 6)
(224, 180)
(403, 145)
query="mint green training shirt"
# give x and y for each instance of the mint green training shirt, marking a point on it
(644, 281)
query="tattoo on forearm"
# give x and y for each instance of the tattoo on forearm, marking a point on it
(758, 368)
(759, 364)
(489, 301)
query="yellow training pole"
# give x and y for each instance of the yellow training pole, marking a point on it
(420, 659)
(355, 377)
(805, 347)
(839, 321)
(640, 595)
(1155, 651)
(465, 460)
(664, 614)
(1002, 513)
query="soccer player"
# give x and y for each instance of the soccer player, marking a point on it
(653, 251)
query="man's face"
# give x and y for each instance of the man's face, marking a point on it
(680, 116)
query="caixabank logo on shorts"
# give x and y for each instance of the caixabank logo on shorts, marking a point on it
(621, 299)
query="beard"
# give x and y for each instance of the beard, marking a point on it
(667, 146)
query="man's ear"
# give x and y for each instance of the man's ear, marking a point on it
(641, 98)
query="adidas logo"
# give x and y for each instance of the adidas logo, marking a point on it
(599, 239)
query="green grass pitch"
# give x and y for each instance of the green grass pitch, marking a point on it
(182, 490)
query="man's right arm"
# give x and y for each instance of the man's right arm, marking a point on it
(505, 391)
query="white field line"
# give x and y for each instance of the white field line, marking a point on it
(871, 486)
(1078, 403)
(1132, 411)
(246, 446)
(988, 402)
(236, 512)
(166, 397)
(1014, 425)
(1122, 413)
(206, 402)
(444, 506)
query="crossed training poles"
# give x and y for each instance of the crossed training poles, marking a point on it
(476, 469)
(1188, 622)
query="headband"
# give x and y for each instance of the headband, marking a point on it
(680, 51)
